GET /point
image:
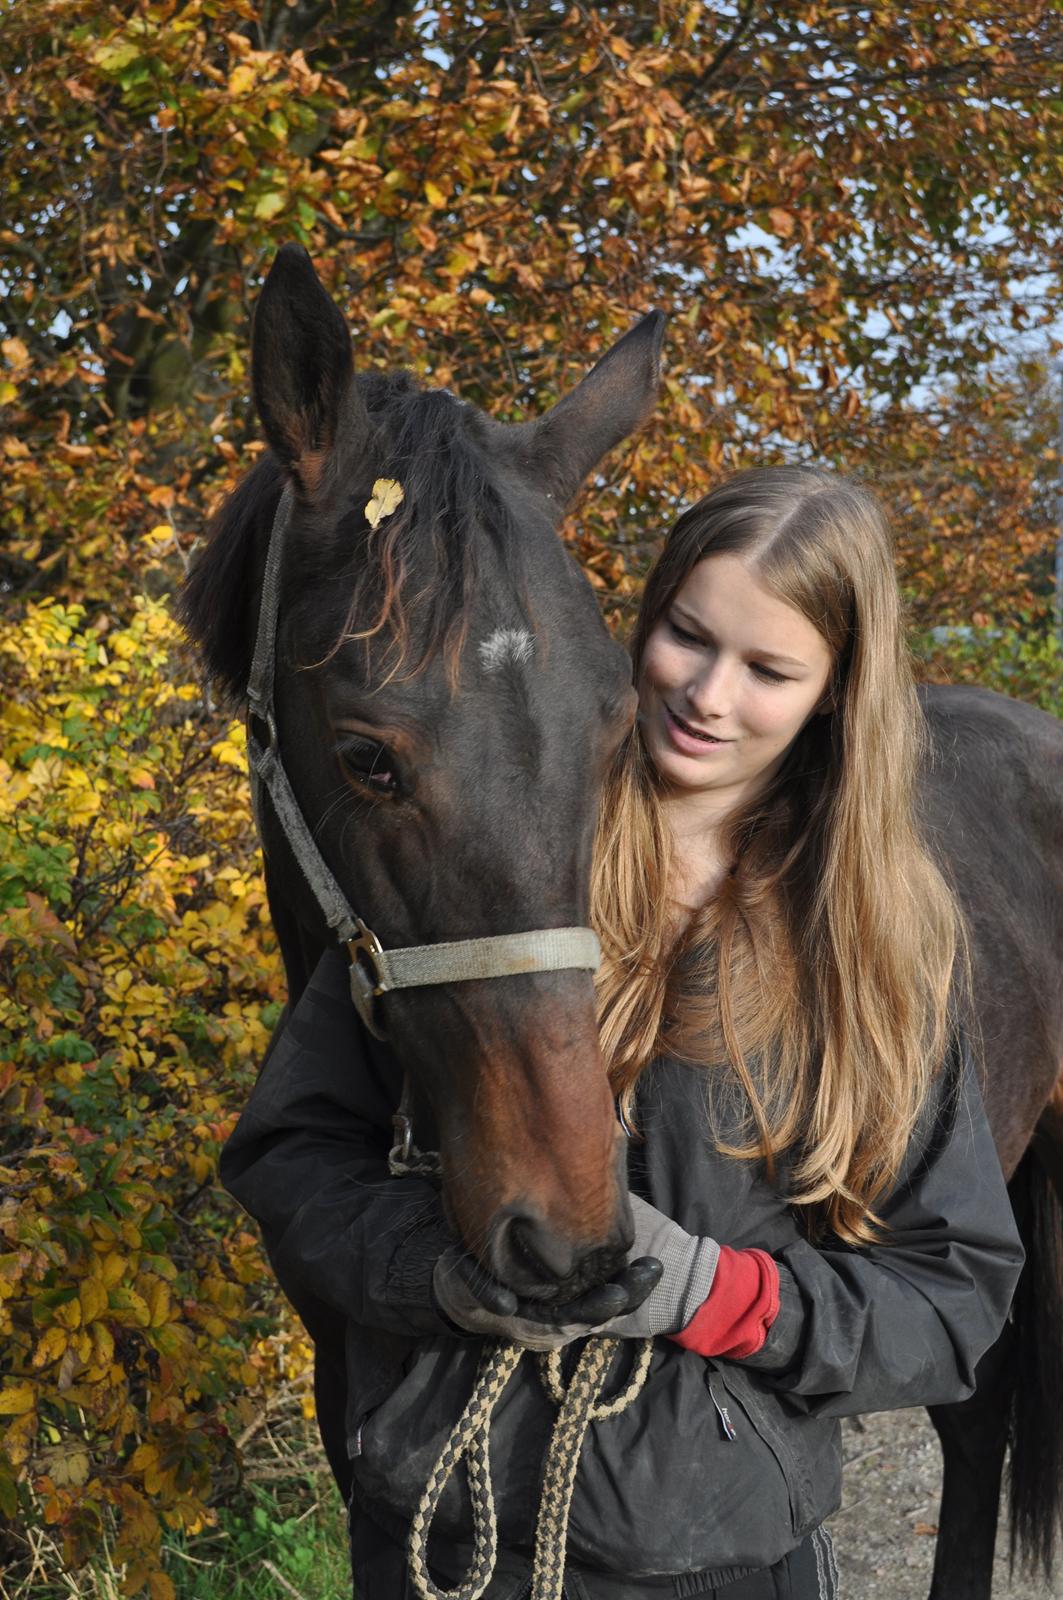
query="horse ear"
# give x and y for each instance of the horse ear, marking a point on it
(302, 368)
(617, 394)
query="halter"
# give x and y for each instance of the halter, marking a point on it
(375, 971)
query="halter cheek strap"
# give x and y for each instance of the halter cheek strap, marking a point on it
(374, 970)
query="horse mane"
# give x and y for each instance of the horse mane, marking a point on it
(410, 580)
(218, 601)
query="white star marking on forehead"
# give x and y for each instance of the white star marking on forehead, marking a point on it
(506, 646)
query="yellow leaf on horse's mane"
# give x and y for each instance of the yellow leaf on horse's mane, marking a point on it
(387, 496)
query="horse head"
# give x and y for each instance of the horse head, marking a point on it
(448, 701)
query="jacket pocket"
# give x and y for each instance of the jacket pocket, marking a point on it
(680, 1482)
(728, 1379)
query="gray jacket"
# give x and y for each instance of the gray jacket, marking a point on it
(719, 1466)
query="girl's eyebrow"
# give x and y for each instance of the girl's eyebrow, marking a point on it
(761, 655)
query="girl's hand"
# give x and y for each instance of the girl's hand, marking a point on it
(477, 1303)
(688, 1267)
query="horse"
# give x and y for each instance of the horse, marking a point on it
(447, 816)
(441, 660)
(991, 796)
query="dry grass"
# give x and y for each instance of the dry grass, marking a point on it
(279, 1529)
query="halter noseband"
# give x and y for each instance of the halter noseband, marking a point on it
(374, 970)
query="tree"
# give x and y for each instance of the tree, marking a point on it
(832, 201)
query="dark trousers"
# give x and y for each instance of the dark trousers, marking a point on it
(807, 1573)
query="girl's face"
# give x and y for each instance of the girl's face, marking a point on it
(729, 676)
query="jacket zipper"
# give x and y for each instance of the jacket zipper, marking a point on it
(727, 1427)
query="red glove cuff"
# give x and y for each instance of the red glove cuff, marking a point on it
(742, 1305)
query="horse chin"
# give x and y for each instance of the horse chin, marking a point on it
(594, 1269)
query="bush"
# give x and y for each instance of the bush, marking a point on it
(139, 980)
(1026, 664)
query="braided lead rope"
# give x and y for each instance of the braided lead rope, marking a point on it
(471, 1439)
(553, 1383)
(579, 1407)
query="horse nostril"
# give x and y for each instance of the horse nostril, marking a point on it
(528, 1256)
(545, 1253)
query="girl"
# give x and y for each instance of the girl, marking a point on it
(810, 1160)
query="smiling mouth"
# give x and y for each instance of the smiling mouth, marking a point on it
(693, 733)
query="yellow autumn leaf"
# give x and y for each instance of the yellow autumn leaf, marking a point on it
(112, 1269)
(434, 195)
(201, 1167)
(268, 205)
(50, 1347)
(158, 1298)
(241, 79)
(143, 1458)
(103, 1342)
(93, 1295)
(229, 754)
(133, 1306)
(68, 1315)
(16, 1399)
(387, 497)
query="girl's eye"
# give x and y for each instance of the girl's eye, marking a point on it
(369, 763)
(768, 673)
(682, 635)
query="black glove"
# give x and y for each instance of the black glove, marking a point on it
(477, 1303)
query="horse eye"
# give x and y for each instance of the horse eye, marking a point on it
(370, 763)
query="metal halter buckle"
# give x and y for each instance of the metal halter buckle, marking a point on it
(402, 1149)
(264, 715)
(366, 951)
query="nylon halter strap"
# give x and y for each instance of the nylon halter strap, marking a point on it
(374, 970)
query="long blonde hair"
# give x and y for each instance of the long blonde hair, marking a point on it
(819, 976)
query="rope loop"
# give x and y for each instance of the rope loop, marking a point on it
(471, 1440)
(553, 1383)
(579, 1404)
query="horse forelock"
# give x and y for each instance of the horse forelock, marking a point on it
(408, 586)
(411, 581)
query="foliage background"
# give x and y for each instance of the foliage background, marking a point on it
(849, 214)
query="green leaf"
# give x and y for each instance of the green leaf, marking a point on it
(111, 58)
(269, 205)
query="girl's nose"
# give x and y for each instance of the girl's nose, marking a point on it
(708, 695)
